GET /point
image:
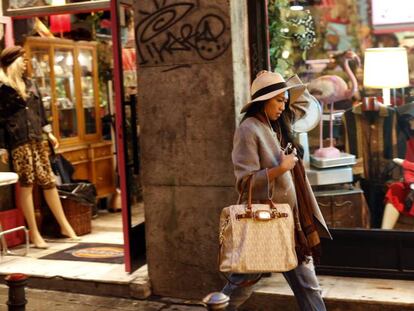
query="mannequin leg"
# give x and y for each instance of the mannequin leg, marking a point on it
(390, 216)
(26, 203)
(53, 201)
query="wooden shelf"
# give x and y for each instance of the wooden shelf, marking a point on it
(91, 156)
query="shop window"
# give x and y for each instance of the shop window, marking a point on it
(365, 186)
(20, 4)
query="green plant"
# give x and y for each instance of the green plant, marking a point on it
(292, 34)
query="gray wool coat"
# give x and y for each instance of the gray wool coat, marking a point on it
(256, 149)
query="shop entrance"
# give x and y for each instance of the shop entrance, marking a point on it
(82, 56)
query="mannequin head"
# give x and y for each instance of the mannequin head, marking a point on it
(406, 119)
(14, 65)
(406, 124)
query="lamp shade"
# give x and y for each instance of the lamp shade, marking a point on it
(386, 68)
(60, 23)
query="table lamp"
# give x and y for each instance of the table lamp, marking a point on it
(386, 68)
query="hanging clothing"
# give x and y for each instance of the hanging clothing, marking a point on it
(23, 124)
(372, 137)
(21, 121)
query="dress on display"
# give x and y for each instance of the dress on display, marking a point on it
(399, 194)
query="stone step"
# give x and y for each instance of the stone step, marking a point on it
(101, 279)
(340, 294)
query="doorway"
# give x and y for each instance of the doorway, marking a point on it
(82, 56)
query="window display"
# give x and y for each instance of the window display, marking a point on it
(74, 84)
(67, 75)
(19, 4)
(85, 59)
(65, 93)
(41, 74)
(367, 189)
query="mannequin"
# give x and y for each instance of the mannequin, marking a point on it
(403, 190)
(399, 198)
(23, 124)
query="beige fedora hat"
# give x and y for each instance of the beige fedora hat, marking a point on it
(269, 84)
(306, 108)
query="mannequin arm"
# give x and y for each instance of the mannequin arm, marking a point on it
(407, 165)
(4, 156)
(53, 140)
(398, 161)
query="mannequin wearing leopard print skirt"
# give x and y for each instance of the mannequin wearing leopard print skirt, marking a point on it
(23, 125)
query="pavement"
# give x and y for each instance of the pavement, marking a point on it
(271, 294)
(339, 293)
(47, 300)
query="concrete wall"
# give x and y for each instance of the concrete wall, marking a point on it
(187, 120)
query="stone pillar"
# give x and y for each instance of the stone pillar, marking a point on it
(189, 91)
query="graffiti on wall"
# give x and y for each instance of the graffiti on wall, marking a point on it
(173, 32)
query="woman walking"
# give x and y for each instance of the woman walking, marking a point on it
(264, 148)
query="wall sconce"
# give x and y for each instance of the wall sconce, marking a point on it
(386, 68)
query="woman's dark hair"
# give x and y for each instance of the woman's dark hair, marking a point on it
(284, 122)
(254, 110)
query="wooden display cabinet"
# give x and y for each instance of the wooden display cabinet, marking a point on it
(344, 208)
(66, 73)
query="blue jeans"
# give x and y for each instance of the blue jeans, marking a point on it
(302, 280)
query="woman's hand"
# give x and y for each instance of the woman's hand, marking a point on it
(288, 161)
(53, 140)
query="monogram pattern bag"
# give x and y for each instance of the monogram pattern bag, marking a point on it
(257, 238)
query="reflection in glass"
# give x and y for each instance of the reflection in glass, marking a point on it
(88, 97)
(129, 63)
(20, 4)
(2, 36)
(65, 93)
(41, 75)
(129, 70)
(399, 207)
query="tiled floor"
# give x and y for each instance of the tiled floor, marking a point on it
(106, 228)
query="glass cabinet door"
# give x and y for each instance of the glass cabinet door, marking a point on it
(85, 59)
(40, 67)
(65, 95)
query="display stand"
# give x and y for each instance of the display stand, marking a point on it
(11, 219)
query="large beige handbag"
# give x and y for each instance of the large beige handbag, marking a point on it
(257, 238)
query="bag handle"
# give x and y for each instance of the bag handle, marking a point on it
(247, 183)
(249, 213)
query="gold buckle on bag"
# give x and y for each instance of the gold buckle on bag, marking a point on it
(261, 215)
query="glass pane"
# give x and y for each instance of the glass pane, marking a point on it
(2, 36)
(65, 93)
(41, 75)
(129, 62)
(85, 60)
(129, 70)
(364, 186)
(20, 4)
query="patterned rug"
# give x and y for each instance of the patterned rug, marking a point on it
(95, 252)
